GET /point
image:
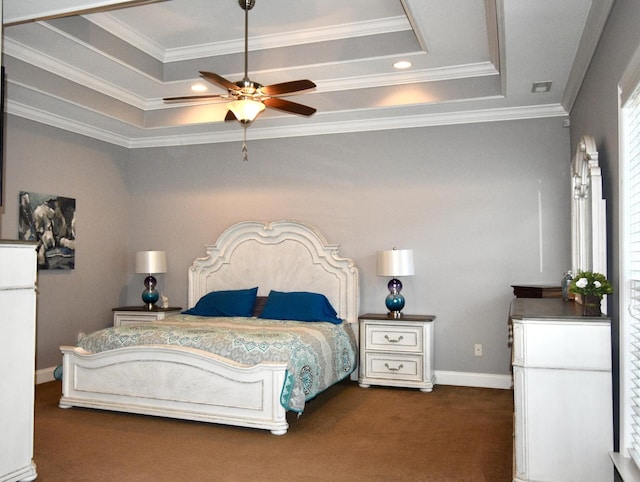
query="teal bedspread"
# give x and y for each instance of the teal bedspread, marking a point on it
(318, 354)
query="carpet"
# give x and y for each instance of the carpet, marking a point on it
(346, 434)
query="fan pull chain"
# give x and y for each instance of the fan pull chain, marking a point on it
(245, 151)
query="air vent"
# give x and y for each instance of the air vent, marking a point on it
(539, 87)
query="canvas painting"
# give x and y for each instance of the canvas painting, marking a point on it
(50, 221)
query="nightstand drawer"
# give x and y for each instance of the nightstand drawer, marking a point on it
(394, 367)
(136, 314)
(394, 338)
(126, 319)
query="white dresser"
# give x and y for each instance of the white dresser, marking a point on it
(562, 393)
(397, 352)
(17, 359)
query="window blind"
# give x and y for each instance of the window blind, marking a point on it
(632, 271)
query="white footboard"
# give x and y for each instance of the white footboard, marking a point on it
(175, 382)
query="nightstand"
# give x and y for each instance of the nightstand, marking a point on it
(397, 352)
(135, 314)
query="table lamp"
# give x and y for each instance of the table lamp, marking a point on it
(150, 263)
(395, 262)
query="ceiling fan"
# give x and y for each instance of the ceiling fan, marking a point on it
(249, 98)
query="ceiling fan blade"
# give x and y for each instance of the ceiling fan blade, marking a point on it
(221, 81)
(189, 98)
(288, 106)
(287, 87)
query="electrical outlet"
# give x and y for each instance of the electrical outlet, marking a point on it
(477, 349)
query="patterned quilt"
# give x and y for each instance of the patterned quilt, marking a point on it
(318, 354)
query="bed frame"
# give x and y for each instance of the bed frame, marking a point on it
(190, 384)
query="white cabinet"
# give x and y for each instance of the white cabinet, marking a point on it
(17, 359)
(397, 352)
(562, 393)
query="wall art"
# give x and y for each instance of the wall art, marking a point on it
(50, 221)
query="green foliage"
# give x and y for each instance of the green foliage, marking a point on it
(589, 283)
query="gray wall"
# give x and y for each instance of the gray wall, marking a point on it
(50, 161)
(464, 198)
(483, 206)
(596, 113)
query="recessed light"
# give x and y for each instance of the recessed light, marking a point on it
(198, 88)
(402, 64)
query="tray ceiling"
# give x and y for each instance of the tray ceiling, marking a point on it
(102, 68)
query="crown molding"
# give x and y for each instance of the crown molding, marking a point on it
(50, 64)
(55, 66)
(479, 69)
(53, 120)
(112, 25)
(15, 12)
(320, 128)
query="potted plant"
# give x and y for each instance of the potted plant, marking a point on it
(591, 287)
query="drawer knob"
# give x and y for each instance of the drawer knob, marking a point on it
(397, 369)
(393, 340)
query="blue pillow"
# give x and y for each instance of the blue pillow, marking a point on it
(225, 303)
(299, 306)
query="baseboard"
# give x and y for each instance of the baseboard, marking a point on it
(468, 379)
(462, 379)
(45, 375)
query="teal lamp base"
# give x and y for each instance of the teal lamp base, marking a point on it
(394, 300)
(150, 295)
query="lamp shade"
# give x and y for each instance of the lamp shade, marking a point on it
(395, 262)
(246, 110)
(150, 262)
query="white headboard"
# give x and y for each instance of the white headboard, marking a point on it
(283, 256)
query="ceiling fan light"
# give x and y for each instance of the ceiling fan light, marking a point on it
(246, 110)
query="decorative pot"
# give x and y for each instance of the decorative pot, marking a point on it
(591, 305)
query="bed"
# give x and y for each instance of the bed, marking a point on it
(182, 381)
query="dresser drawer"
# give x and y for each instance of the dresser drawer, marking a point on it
(392, 338)
(394, 367)
(562, 344)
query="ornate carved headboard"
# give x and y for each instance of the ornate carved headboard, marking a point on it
(283, 256)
